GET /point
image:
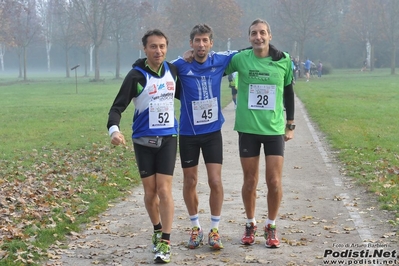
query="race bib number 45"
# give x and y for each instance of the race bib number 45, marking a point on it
(262, 97)
(205, 111)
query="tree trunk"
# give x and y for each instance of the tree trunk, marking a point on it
(86, 55)
(96, 63)
(20, 62)
(91, 57)
(68, 73)
(48, 49)
(393, 59)
(372, 57)
(118, 60)
(24, 58)
(2, 52)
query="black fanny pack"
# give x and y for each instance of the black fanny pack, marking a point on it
(153, 142)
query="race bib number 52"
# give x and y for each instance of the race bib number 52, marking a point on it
(161, 114)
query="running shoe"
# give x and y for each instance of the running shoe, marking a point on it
(156, 236)
(214, 240)
(271, 236)
(195, 238)
(248, 238)
(162, 254)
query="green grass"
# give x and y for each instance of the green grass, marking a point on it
(357, 112)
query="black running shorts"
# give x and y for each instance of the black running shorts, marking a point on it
(211, 145)
(249, 144)
(160, 160)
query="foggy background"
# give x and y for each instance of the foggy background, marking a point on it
(104, 36)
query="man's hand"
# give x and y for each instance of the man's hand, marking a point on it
(188, 55)
(289, 134)
(117, 138)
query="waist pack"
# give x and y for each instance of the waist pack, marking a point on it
(153, 142)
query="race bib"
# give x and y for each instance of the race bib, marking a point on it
(262, 97)
(205, 111)
(161, 114)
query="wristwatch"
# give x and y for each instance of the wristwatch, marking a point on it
(290, 126)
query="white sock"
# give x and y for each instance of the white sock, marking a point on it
(271, 222)
(252, 220)
(195, 220)
(215, 221)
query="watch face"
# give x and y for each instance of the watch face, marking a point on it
(291, 127)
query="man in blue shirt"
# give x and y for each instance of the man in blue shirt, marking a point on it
(308, 65)
(201, 121)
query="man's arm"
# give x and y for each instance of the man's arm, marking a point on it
(289, 101)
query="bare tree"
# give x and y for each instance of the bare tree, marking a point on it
(68, 32)
(125, 16)
(389, 10)
(4, 31)
(24, 27)
(363, 22)
(301, 20)
(94, 16)
(45, 11)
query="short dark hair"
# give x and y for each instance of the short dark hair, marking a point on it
(201, 29)
(156, 32)
(257, 21)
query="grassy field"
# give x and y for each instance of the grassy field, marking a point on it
(357, 112)
(58, 170)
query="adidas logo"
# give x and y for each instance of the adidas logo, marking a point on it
(190, 73)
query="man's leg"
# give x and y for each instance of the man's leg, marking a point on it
(216, 196)
(190, 180)
(151, 200)
(274, 166)
(166, 203)
(189, 155)
(250, 167)
(212, 151)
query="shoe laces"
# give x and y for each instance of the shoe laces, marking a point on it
(271, 231)
(249, 230)
(156, 236)
(214, 234)
(163, 246)
(195, 233)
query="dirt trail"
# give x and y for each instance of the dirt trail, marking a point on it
(322, 213)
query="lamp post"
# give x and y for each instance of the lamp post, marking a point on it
(76, 77)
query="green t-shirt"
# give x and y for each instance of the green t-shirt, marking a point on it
(261, 85)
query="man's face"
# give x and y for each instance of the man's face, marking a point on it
(259, 36)
(155, 50)
(201, 44)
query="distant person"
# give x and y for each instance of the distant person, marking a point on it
(232, 78)
(151, 85)
(293, 71)
(260, 120)
(319, 69)
(307, 66)
(297, 73)
(364, 68)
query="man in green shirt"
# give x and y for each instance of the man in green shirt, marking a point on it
(265, 81)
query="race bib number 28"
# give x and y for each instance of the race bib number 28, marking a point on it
(262, 97)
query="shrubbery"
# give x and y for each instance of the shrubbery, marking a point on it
(327, 69)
